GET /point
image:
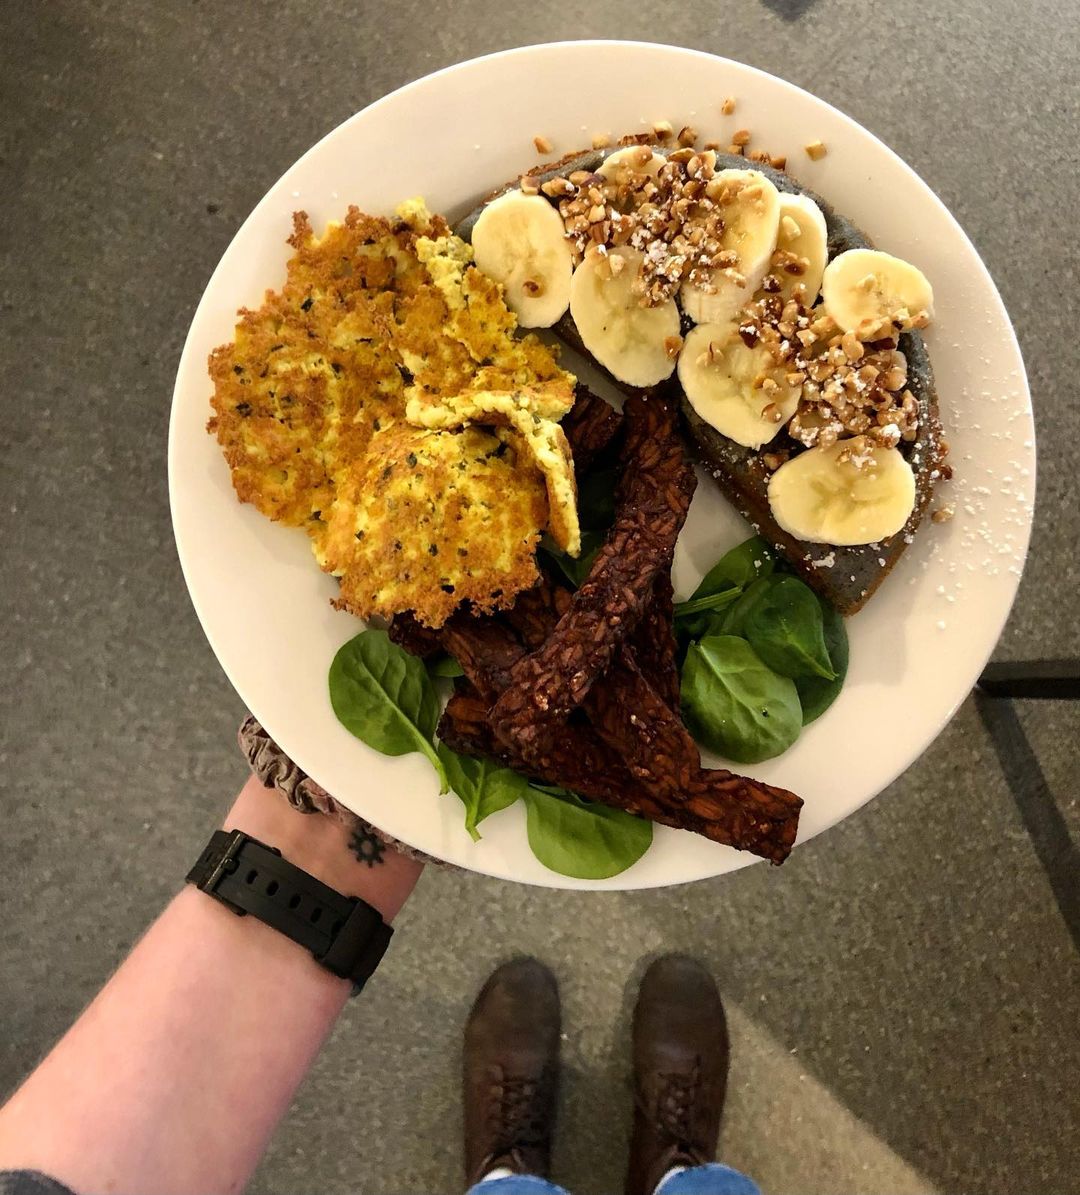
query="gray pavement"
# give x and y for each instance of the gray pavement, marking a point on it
(905, 993)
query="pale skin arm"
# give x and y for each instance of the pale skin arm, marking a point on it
(175, 1077)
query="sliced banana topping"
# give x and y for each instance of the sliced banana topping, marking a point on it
(738, 390)
(869, 293)
(633, 343)
(802, 247)
(820, 498)
(750, 207)
(520, 241)
(634, 159)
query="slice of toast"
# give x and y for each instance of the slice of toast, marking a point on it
(845, 576)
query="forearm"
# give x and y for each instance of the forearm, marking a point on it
(176, 1075)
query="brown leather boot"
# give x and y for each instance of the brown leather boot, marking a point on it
(680, 1071)
(511, 1071)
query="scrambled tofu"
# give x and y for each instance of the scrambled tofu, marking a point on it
(379, 321)
(544, 439)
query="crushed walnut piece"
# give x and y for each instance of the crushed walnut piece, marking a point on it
(740, 137)
(815, 150)
(601, 140)
(543, 145)
(728, 106)
(850, 391)
(673, 213)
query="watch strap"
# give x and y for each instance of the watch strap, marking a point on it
(343, 933)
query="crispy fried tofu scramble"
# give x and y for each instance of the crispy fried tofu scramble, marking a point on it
(381, 401)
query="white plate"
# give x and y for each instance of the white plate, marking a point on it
(920, 644)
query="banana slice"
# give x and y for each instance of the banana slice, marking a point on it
(630, 341)
(638, 158)
(802, 232)
(819, 498)
(868, 292)
(751, 223)
(722, 378)
(520, 241)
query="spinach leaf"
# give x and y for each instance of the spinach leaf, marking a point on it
(722, 586)
(815, 693)
(710, 601)
(444, 666)
(735, 570)
(733, 619)
(384, 696)
(735, 704)
(577, 838)
(596, 499)
(785, 629)
(484, 786)
(575, 570)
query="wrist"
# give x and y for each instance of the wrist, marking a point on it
(322, 846)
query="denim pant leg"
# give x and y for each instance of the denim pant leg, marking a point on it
(712, 1179)
(517, 1184)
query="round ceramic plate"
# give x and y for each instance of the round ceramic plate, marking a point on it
(917, 648)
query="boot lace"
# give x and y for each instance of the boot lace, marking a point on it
(518, 1112)
(676, 1095)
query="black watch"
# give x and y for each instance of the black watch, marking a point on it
(345, 934)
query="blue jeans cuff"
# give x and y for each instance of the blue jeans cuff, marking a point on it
(517, 1184)
(713, 1179)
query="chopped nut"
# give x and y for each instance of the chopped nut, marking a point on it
(778, 161)
(894, 378)
(543, 145)
(688, 135)
(617, 264)
(943, 514)
(672, 346)
(815, 150)
(529, 185)
(734, 149)
(663, 130)
(728, 106)
(773, 460)
(597, 213)
(577, 177)
(741, 137)
(770, 385)
(601, 140)
(558, 186)
(852, 346)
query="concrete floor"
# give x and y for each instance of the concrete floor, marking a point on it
(905, 994)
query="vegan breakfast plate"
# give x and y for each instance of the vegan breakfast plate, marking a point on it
(915, 649)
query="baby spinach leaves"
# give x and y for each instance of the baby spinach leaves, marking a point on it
(815, 693)
(736, 705)
(484, 786)
(580, 839)
(785, 628)
(756, 639)
(385, 697)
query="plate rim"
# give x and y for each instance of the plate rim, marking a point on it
(734, 860)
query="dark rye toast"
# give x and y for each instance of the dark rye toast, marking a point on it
(845, 576)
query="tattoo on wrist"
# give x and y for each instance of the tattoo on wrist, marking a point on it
(367, 848)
